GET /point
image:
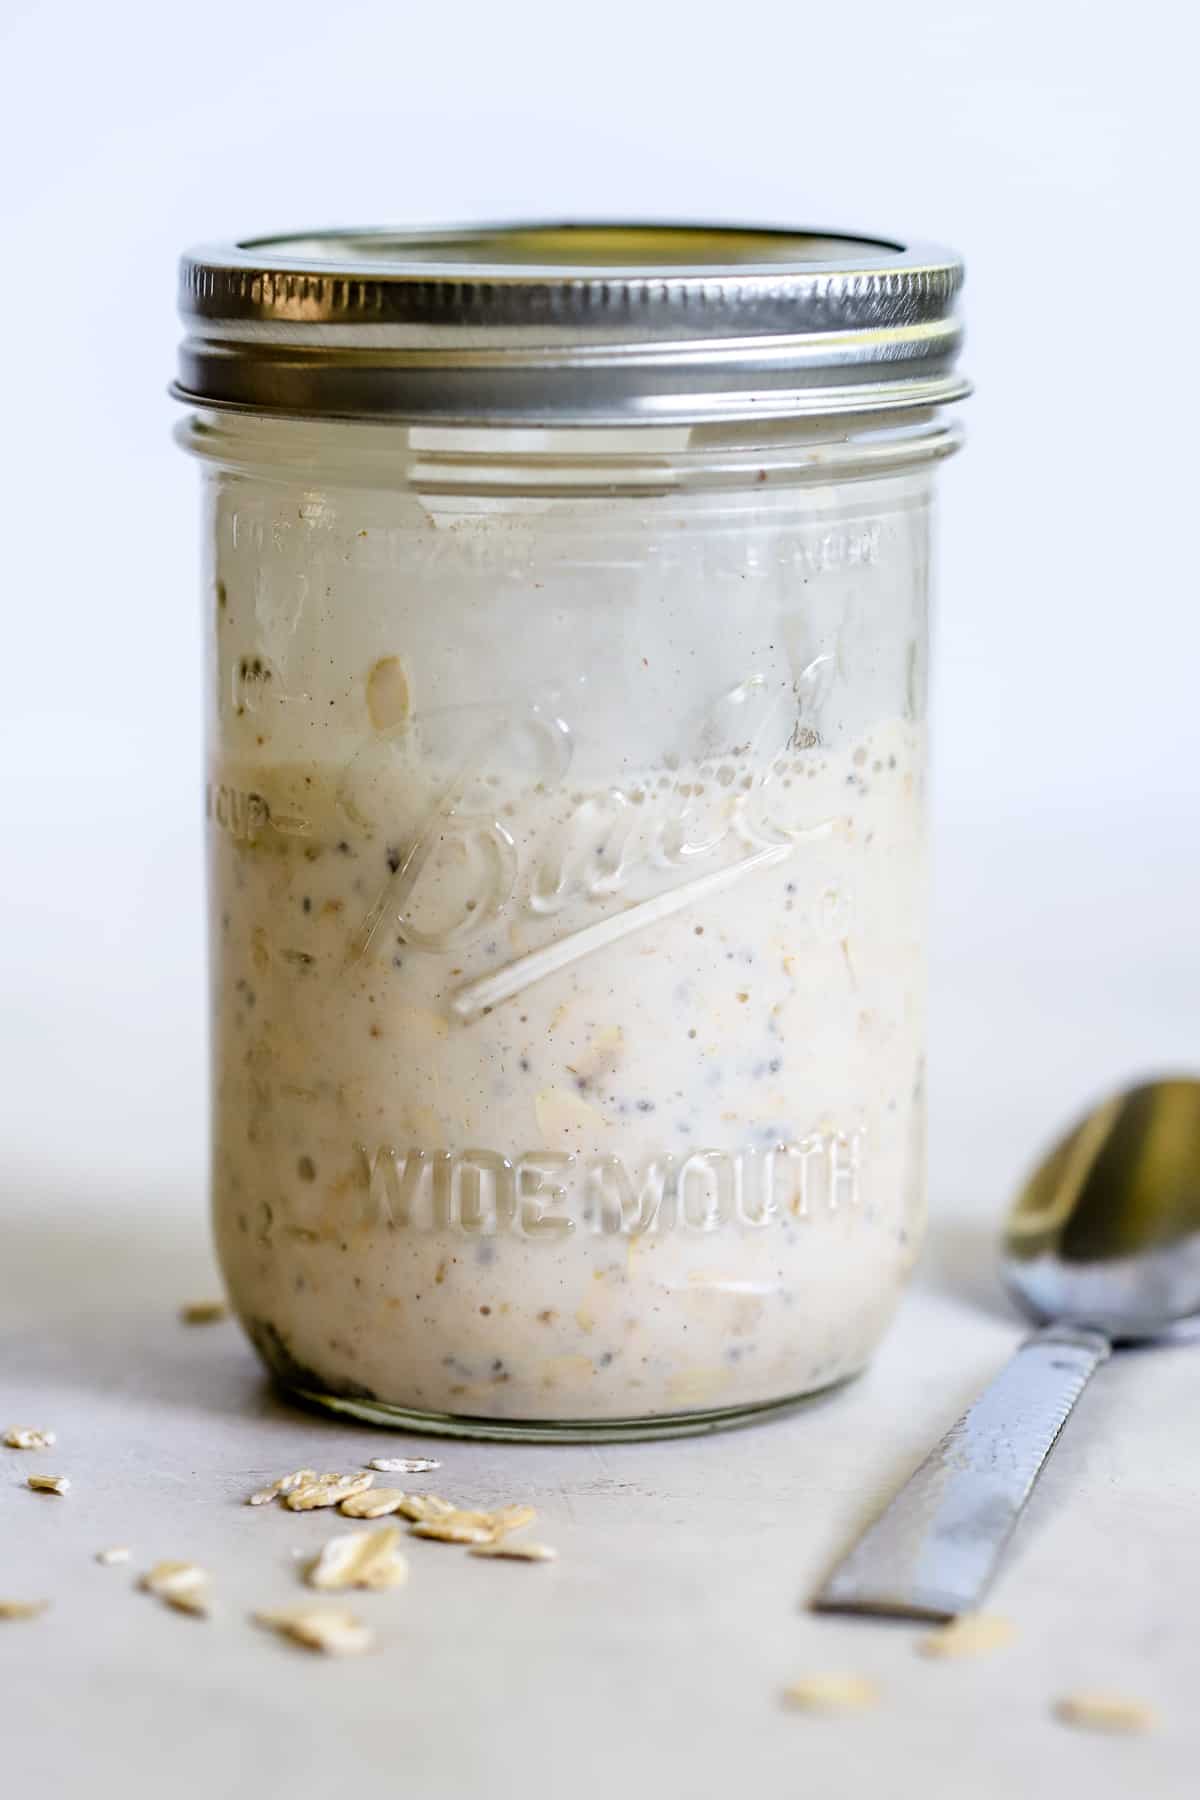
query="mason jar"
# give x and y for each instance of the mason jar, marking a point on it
(566, 593)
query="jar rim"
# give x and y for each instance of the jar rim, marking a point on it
(576, 322)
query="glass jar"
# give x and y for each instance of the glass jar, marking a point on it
(567, 609)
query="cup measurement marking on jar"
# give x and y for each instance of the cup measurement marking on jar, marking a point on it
(244, 813)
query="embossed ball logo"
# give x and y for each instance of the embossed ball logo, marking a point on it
(508, 832)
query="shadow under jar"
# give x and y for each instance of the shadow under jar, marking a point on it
(567, 611)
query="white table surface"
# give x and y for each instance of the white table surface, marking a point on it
(650, 1658)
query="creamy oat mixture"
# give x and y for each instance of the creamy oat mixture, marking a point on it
(562, 1072)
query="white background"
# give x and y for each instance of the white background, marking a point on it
(1052, 143)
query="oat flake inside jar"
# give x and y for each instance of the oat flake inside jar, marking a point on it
(567, 606)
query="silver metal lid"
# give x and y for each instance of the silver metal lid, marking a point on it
(560, 324)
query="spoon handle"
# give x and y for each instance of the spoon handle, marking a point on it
(931, 1554)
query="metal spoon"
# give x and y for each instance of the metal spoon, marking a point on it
(1102, 1248)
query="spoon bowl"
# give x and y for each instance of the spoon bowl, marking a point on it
(1106, 1232)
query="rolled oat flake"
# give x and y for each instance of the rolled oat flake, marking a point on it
(29, 1437)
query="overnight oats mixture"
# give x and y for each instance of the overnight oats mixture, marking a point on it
(565, 1069)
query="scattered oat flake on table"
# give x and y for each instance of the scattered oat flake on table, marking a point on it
(22, 1609)
(329, 1489)
(436, 1518)
(27, 1437)
(971, 1634)
(366, 1559)
(286, 1484)
(404, 1465)
(515, 1550)
(1104, 1712)
(328, 1628)
(375, 1503)
(510, 1518)
(832, 1693)
(456, 1528)
(420, 1507)
(204, 1312)
(183, 1585)
(48, 1484)
(118, 1554)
